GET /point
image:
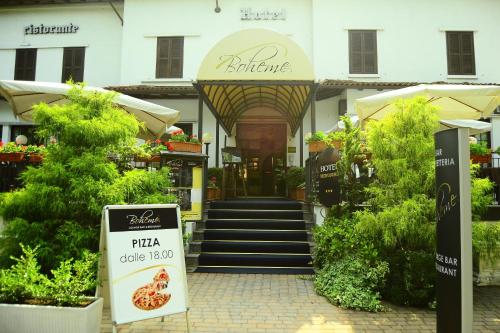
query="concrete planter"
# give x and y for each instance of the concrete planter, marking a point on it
(24, 318)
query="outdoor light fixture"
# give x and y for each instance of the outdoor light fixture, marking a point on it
(21, 140)
(217, 8)
(207, 140)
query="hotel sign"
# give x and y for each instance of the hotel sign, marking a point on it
(453, 232)
(328, 187)
(248, 14)
(50, 29)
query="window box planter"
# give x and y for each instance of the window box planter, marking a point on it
(35, 158)
(25, 318)
(480, 158)
(316, 146)
(12, 157)
(153, 158)
(213, 193)
(188, 147)
(486, 270)
(337, 144)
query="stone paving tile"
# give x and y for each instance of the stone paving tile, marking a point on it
(259, 303)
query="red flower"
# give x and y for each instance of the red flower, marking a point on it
(1, 143)
(170, 147)
(158, 141)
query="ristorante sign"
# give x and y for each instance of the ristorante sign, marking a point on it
(43, 29)
(256, 54)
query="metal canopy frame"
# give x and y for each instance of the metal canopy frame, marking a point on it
(228, 100)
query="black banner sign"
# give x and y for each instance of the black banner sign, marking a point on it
(448, 249)
(329, 187)
(142, 219)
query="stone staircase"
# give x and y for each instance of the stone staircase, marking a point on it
(253, 236)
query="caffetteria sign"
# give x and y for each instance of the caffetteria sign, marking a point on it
(145, 256)
(256, 54)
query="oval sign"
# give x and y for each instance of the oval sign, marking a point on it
(329, 187)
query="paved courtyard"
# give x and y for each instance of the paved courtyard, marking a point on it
(286, 303)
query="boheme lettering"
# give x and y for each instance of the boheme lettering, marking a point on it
(263, 60)
(145, 218)
(447, 200)
(50, 29)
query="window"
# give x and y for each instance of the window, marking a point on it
(169, 57)
(26, 130)
(73, 64)
(460, 49)
(363, 52)
(25, 64)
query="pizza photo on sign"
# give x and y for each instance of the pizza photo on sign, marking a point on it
(152, 295)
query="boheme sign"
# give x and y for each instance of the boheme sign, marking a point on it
(256, 54)
(329, 187)
(454, 234)
(50, 29)
(248, 14)
(145, 256)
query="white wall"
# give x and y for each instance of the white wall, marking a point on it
(100, 31)
(411, 37)
(196, 20)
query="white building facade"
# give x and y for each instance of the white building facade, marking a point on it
(153, 49)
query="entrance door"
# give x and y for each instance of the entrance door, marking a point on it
(263, 148)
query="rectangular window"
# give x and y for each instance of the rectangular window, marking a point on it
(363, 52)
(460, 49)
(169, 57)
(73, 64)
(25, 67)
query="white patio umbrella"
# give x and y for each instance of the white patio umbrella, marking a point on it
(475, 126)
(22, 95)
(454, 101)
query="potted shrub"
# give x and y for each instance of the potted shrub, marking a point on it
(35, 153)
(214, 183)
(179, 141)
(316, 142)
(480, 153)
(334, 139)
(294, 179)
(31, 301)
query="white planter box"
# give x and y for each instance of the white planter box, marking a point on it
(22, 318)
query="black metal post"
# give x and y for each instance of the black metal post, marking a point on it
(200, 117)
(217, 148)
(301, 143)
(313, 111)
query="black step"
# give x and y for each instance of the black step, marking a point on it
(254, 214)
(255, 246)
(273, 224)
(254, 270)
(257, 204)
(253, 234)
(265, 260)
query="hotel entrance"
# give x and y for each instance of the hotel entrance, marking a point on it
(258, 92)
(263, 150)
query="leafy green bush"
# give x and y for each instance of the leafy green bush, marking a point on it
(72, 281)
(294, 177)
(59, 208)
(481, 193)
(486, 239)
(352, 283)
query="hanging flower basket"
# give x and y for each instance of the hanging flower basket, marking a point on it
(12, 157)
(316, 146)
(481, 158)
(188, 147)
(337, 144)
